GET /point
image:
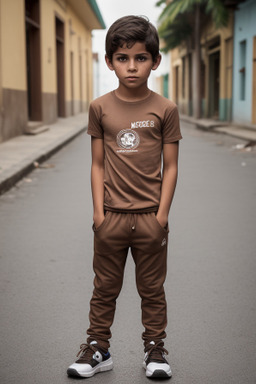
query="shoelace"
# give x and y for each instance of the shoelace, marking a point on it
(86, 352)
(156, 351)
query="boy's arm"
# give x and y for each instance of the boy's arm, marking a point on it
(169, 180)
(97, 180)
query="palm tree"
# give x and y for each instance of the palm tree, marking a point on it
(182, 21)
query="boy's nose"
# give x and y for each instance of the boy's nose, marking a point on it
(132, 66)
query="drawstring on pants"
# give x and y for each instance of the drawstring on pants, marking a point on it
(133, 221)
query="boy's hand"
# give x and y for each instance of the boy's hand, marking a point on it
(163, 220)
(98, 220)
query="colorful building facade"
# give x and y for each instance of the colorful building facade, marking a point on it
(244, 76)
(216, 73)
(45, 61)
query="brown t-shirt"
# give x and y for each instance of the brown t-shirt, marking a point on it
(133, 134)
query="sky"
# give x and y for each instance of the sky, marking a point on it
(111, 10)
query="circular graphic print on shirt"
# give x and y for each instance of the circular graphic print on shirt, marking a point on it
(128, 139)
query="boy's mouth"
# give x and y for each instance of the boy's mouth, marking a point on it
(132, 77)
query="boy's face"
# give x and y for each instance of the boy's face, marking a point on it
(133, 65)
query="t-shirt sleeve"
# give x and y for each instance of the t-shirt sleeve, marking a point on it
(171, 125)
(94, 123)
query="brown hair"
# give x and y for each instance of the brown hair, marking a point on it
(129, 30)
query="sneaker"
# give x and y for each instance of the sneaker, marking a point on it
(155, 364)
(91, 360)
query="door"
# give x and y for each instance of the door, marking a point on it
(34, 96)
(60, 66)
(214, 88)
(72, 82)
(177, 85)
(228, 77)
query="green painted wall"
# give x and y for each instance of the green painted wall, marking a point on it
(225, 109)
(166, 85)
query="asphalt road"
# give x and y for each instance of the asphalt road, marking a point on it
(46, 271)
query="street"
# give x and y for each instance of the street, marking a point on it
(46, 276)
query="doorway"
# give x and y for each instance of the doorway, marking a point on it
(72, 109)
(177, 85)
(214, 84)
(59, 27)
(33, 58)
(190, 93)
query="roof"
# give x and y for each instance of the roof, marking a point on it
(96, 11)
(88, 12)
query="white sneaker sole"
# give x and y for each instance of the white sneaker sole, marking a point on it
(157, 372)
(81, 370)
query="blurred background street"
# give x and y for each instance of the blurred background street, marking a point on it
(46, 270)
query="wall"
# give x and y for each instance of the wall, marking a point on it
(48, 9)
(244, 30)
(13, 69)
(75, 33)
(182, 72)
(77, 83)
(78, 42)
(224, 50)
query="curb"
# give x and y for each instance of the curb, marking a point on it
(203, 124)
(17, 173)
(246, 133)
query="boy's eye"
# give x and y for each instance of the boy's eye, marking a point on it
(142, 58)
(121, 58)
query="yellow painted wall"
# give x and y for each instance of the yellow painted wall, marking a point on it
(209, 34)
(13, 53)
(48, 46)
(13, 48)
(74, 30)
(176, 82)
(78, 19)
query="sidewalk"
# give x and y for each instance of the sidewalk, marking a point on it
(19, 155)
(243, 132)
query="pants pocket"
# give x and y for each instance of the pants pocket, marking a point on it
(102, 225)
(164, 229)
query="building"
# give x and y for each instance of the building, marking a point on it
(228, 67)
(216, 73)
(45, 61)
(244, 76)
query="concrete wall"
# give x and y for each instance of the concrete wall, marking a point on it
(244, 30)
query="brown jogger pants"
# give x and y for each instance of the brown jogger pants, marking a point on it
(148, 242)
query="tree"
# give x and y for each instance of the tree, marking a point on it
(182, 21)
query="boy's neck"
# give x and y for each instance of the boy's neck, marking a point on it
(127, 94)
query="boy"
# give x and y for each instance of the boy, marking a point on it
(130, 128)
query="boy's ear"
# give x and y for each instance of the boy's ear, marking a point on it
(109, 63)
(157, 62)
